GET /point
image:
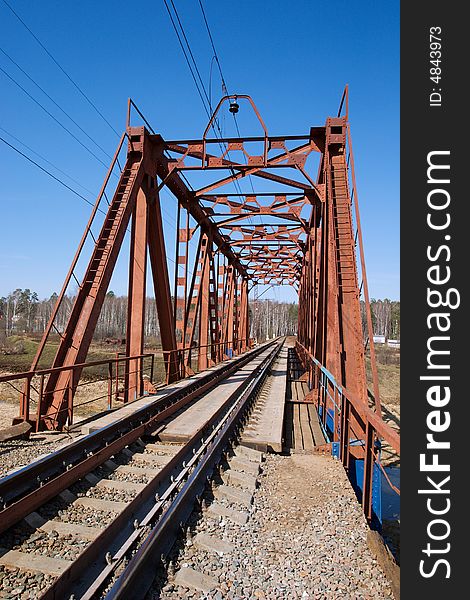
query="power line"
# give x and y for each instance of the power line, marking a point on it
(224, 87)
(46, 171)
(90, 102)
(46, 160)
(52, 116)
(29, 159)
(208, 109)
(191, 54)
(63, 172)
(54, 102)
(188, 62)
(186, 57)
(208, 112)
(201, 84)
(215, 124)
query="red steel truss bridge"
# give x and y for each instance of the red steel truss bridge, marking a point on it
(303, 230)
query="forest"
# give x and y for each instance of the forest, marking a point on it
(22, 312)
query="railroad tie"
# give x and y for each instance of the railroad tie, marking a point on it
(101, 505)
(14, 559)
(245, 466)
(190, 578)
(238, 479)
(217, 511)
(35, 521)
(248, 453)
(235, 495)
(212, 544)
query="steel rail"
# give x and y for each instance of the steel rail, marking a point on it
(28, 488)
(138, 575)
(90, 572)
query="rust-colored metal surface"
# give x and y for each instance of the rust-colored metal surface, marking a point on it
(297, 229)
(301, 230)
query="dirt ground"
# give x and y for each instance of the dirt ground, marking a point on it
(388, 367)
(92, 394)
(8, 411)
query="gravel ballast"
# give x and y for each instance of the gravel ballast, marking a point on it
(305, 538)
(19, 453)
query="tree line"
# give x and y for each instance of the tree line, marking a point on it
(23, 312)
(385, 318)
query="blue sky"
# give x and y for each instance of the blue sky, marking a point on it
(293, 58)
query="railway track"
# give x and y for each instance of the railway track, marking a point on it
(92, 520)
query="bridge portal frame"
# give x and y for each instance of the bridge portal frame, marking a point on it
(208, 318)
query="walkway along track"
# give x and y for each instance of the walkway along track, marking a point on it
(151, 521)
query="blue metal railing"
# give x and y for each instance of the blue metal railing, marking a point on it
(354, 431)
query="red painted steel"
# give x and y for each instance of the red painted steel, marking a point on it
(299, 231)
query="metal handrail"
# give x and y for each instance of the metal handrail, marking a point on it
(383, 430)
(28, 376)
(350, 412)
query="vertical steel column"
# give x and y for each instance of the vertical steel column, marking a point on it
(193, 303)
(244, 326)
(161, 282)
(214, 328)
(181, 286)
(345, 431)
(136, 296)
(370, 329)
(25, 400)
(229, 307)
(221, 308)
(334, 347)
(321, 313)
(369, 460)
(236, 312)
(204, 293)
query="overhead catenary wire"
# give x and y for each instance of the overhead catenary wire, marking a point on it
(192, 55)
(45, 159)
(216, 56)
(186, 57)
(200, 84)
(208, 109)
(25, 91)
(17, 150)
(55, 103)
(72, 81)
(224, 85)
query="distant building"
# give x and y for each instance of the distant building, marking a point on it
(379, 339)
(393, 343)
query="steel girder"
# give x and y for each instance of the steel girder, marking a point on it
(301, 233)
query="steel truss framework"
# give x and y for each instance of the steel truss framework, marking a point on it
(299, 232)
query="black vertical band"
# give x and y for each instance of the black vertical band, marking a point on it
(435, 239)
